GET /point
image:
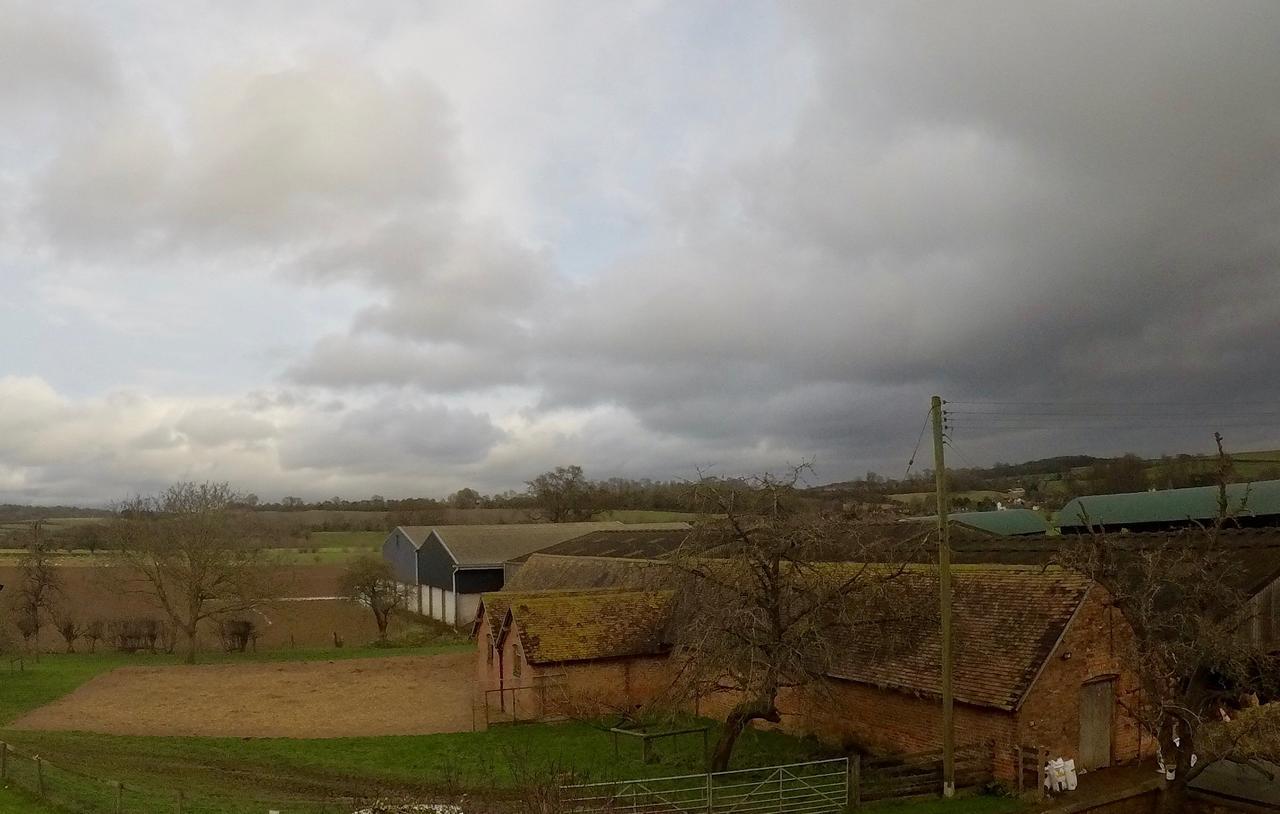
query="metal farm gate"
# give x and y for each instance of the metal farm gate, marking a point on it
(818, 787)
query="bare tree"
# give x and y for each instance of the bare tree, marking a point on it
(1183, 596)
(370, 581)
(39, 585)
(93, 631)
(563, 494)
(183, 549)
(763, 611)
(70, 629)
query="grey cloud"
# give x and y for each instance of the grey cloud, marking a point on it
(215, 427)
(362, 361)
(1015, 201)
(47, 54)
(391, 437)
(259, 157)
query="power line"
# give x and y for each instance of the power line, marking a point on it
(1085, 403)
(919, 440)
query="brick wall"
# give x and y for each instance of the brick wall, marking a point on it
(887, 721)
(874, 720)
(620, 685)
(1099, 644)
(580, 688)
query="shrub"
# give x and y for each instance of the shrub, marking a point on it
(132, 635)
(237, 634)
(70, 630)
(93, 632)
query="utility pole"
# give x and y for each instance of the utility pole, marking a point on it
(944, 593)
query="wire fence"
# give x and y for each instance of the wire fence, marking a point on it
(73, 790)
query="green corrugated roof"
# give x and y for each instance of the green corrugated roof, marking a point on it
(1004, 521)
(1171, 505)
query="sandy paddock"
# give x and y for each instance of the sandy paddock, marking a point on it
(389, 696)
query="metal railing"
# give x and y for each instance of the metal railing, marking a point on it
(816, 787)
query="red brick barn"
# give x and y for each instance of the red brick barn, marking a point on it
(572, 652)
(1041, 659)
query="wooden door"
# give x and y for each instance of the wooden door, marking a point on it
(1097, 699)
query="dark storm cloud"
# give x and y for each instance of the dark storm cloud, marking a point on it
(1004, 201)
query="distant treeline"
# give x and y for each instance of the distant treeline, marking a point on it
(566, 493)
(13, 513)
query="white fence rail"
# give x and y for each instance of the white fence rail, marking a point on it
(817, 787)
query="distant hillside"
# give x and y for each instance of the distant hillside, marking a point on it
(1051, 482)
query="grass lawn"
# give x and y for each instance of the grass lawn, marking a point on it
(228, 773)
(17, 801)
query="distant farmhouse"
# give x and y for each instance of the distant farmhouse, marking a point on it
(1250, 504)
(443, 570)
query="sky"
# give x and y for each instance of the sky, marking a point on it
(399, 248)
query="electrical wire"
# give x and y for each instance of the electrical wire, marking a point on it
(912, 460)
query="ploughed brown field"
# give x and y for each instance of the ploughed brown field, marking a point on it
(90, 593)
(405, 695)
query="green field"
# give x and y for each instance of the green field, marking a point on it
(17, 801)
(645, 516)
(370, 540)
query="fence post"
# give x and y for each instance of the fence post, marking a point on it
(40, 777)
(853, 794)
(4, 762)
(710, 792)
(119, 787)
(179, 808)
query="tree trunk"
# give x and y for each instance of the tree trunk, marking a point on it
(1173, 794)
(741, 715)
(190, 657)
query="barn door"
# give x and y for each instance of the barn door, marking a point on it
(1097, 699)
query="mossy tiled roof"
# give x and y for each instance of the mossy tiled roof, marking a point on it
(1007, 621)
(565, 626)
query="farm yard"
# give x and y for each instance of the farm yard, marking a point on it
(367, 752)
(271, 699)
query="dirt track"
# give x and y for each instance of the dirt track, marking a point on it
(391, 696)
